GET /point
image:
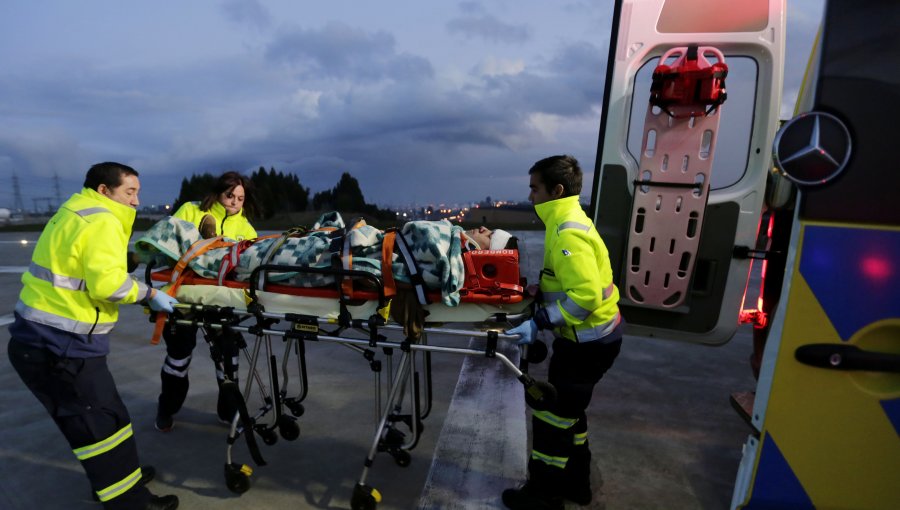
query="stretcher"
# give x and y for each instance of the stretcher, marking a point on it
(355, 312)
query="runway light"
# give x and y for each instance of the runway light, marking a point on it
(24, 242)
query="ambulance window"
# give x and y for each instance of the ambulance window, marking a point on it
(733, 143)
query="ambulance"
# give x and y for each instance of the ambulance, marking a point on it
(698, 180)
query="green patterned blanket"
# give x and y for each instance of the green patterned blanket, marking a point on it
(435, 245)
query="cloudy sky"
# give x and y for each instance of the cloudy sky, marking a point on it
(423, 102)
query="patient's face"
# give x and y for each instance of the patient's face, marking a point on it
(482, 236)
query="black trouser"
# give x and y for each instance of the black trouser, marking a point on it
(81, 397)
(560, 457)
(224, 348)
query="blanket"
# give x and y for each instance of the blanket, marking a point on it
(435, 246)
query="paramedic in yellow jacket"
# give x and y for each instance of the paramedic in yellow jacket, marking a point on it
(223, 212)
(60, 337)
(579, 304)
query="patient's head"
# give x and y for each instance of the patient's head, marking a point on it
(488, 239)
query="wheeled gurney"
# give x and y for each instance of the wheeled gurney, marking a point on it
(491, 300)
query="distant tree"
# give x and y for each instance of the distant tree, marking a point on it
(347, 196)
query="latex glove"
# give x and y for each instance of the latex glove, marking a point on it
(162, 302)
(527, 331)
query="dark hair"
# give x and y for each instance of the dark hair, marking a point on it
(562, 170)
(227, 182)
(108, 173)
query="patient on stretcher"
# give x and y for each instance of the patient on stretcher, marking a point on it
(437, 248)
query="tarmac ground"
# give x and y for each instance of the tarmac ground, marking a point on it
(661, 428)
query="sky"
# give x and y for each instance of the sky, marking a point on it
(423, 102)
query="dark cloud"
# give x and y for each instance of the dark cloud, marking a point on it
(343, 52)
(489, 28)
(249, 13)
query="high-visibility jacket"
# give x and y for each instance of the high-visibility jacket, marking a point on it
(236, 226)
(576, 281)
(78, 277)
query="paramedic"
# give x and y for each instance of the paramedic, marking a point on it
(580, 306)
(60, 338)
(223, 212)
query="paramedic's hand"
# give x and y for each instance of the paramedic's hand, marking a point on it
(162, 302)
(526, 331)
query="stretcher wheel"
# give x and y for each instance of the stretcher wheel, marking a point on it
(540, 395)
(237, 477)
(295, 407)
(288, 428)
(268, 436)
(402, 457)
(537, 352)
(364, 498)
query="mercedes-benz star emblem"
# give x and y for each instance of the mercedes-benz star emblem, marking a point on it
(812, 148)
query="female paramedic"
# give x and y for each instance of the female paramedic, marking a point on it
(223, 212)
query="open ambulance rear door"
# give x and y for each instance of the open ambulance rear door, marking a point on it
(679, 189)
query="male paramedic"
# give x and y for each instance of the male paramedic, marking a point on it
(60, 338)
(579, 305)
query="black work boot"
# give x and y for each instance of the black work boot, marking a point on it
(527, 497)
(169, 502)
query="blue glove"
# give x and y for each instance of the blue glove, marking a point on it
(162, 302)
(526, 331)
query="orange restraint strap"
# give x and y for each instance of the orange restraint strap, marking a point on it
(387, 259)
(178, 273)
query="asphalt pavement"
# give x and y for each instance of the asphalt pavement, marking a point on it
(660, 426)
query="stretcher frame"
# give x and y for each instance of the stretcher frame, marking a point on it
(303, 328)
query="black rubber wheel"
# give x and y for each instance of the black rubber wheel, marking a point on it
(268, 436)
(537, 352)
(288, 428)
(364, 498)
(540, 395)
(402, 457)
(296, 408)
(236, 479)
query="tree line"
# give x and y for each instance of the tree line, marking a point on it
(278, 192)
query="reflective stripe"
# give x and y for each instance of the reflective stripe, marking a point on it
(574, 309)
(556, 421)
(559, 462)
(143, 291)
(608, 291)
(572, 224)
(598, 332)
(177, 367)
(92, 210)
(86, 452)
(580, 438)
(555, 316)
(123, 290)
(63, 323)
(120, 487)
(57, 280)
(553, 297)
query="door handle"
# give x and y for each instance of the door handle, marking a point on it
(847, 357)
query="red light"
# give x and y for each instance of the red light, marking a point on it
(876, 267)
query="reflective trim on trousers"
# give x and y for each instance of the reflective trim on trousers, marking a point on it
(98, 448)
(120, 487)
(559, 462)
(176, 367)
(556, 421)
(579, 439)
